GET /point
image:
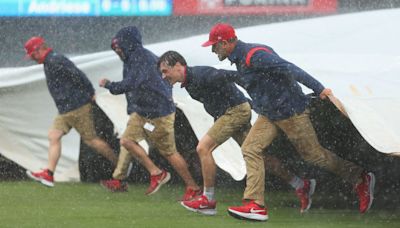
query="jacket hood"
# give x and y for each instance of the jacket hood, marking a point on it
(128, 39)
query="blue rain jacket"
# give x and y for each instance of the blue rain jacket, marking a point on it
(272, 82)
(146, 92)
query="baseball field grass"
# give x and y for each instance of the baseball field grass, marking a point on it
(29, 204)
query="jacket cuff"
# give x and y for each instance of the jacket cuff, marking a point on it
(107, 85)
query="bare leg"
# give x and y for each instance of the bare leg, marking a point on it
(103, 148)
(54, 148)
(208, 167)
(139, 153)
(180, 166)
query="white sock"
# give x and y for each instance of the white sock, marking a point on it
(209, 193)
(297, 182)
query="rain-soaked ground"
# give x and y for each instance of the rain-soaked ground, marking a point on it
(28, 204)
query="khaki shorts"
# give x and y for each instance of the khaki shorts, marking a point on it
(159, 132)
(81, 119)
(234, 123)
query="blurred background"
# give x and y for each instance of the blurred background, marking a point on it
(75, 27)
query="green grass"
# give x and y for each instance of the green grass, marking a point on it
(29, 204)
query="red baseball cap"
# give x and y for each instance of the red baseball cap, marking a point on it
(32, 44)
(220, 32)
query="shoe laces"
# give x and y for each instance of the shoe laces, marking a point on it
(191, 191)
(248, 202)
(202, 198)
(155, 179)
(44, 170)
(191, 194)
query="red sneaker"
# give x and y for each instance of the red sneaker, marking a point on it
(249, 211)
(365, 191)
(305, 193)
(191, 194)
(202, 205)
(115, 185)
(157, 181)
(42, 177)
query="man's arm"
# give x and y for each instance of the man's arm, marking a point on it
(121, 87)
(222, 76)
(266, 61)
(307, 80)
(129, 83)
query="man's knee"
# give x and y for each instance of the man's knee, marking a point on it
(125, 142)
(92, 142)
(169, 155)
(315, 155)
(202, 150)
(206, 145)
(55, 135)
(247, 148)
